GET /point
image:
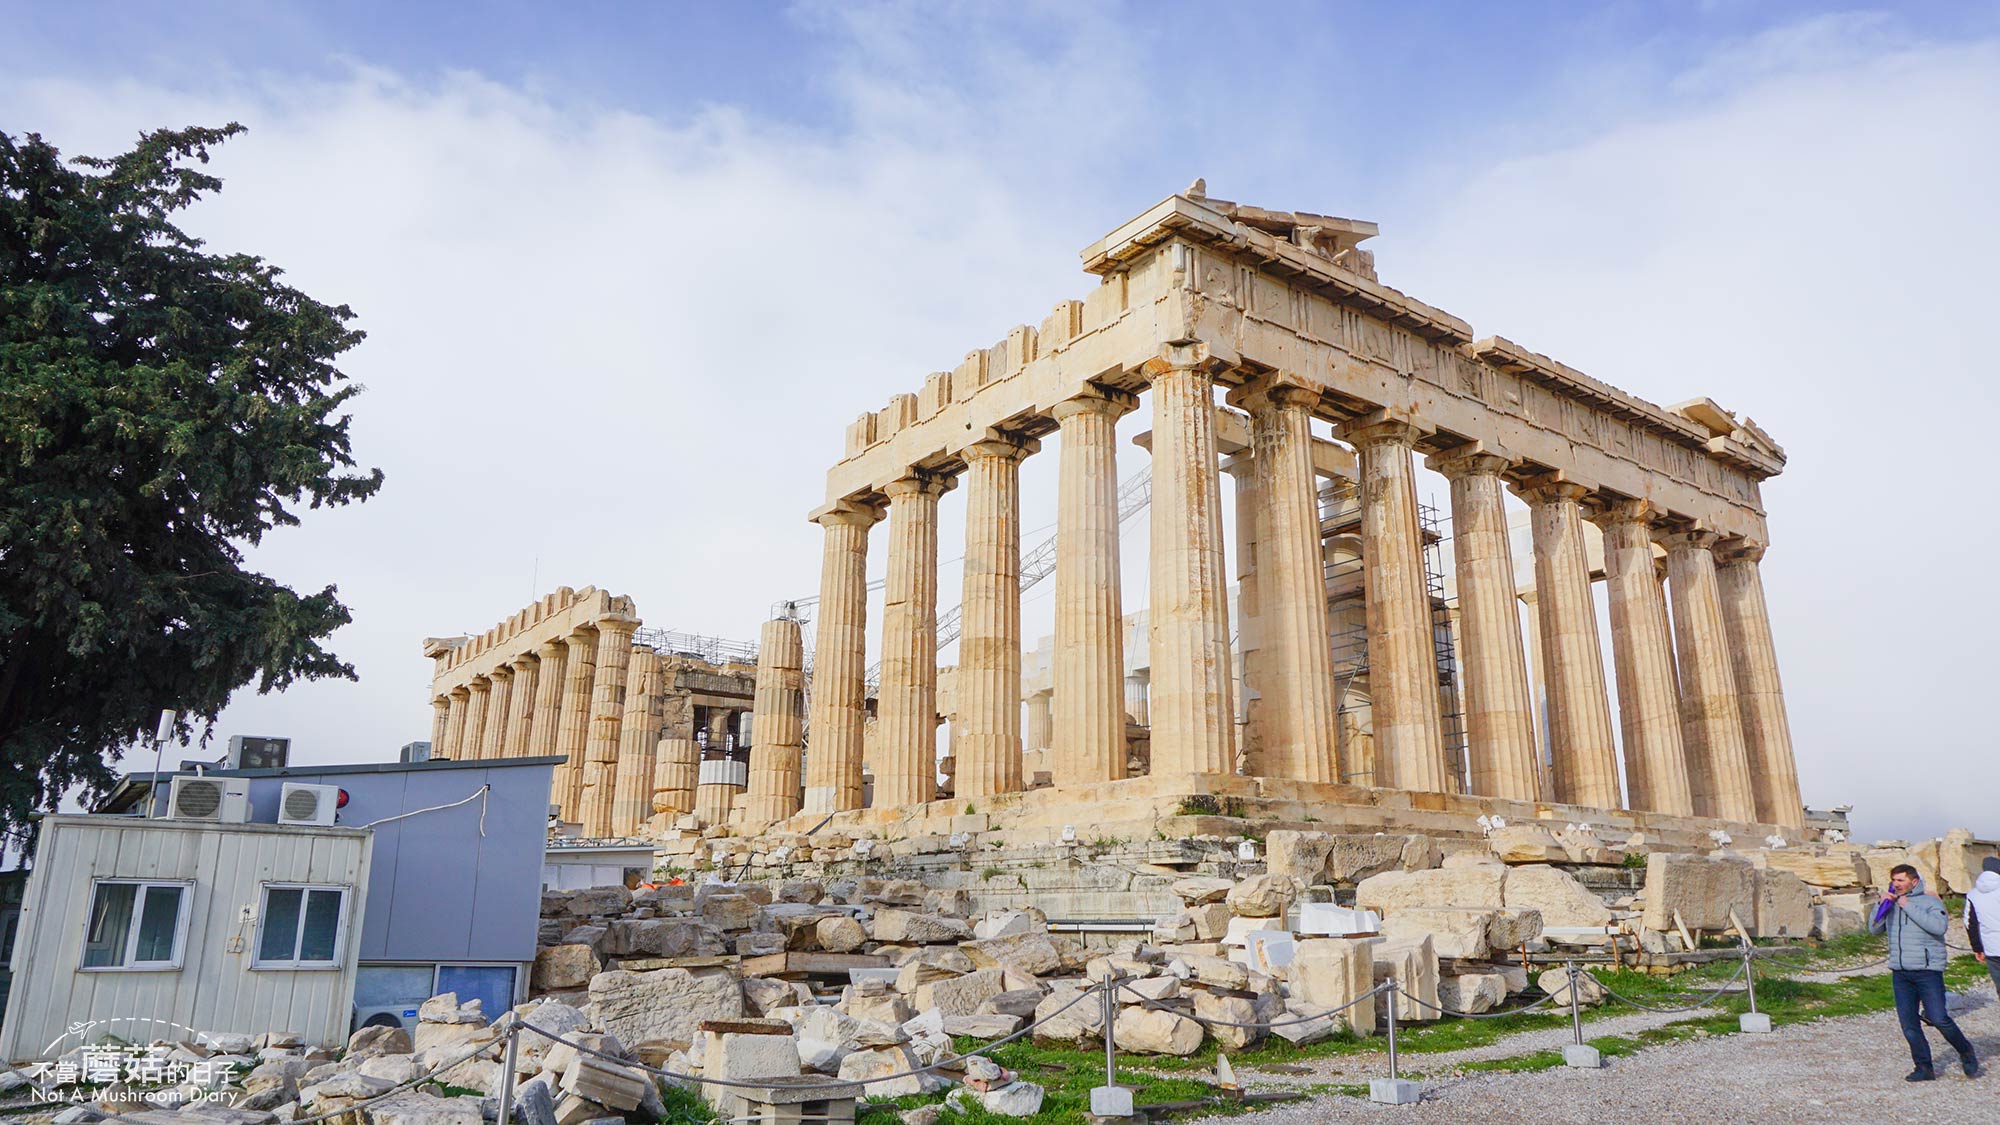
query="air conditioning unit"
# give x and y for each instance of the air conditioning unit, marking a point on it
(225, 800)
(308, 804)
(255, 752)
(386, 1015)
(415, 752)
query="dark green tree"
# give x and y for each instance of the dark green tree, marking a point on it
(160, 408)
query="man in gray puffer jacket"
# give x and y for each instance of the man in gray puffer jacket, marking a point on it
(1915, 923)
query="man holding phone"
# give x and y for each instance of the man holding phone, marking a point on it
(1915, 923)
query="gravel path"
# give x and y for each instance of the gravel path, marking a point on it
(1811, 1072)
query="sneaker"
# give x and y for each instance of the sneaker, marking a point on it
(1919, 1075)
(1971, 1066)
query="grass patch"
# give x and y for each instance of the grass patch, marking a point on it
(684, 1106)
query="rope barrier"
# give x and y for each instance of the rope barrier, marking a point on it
(1710, 999)
(1522, 1010)
(1210, 1021)
(398, 1088)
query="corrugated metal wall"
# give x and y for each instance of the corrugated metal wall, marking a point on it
(215, 990)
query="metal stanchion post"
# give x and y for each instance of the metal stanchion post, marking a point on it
(1752, 1021)
(1110, 1099)
(1395, 1089)
(507, 1073)
(1578, 1054)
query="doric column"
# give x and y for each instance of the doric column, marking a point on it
(840, 662)
(607, 717)
(1583, 753)
(676, 768)
(1087, 743)
(1296, 667)
(454, 725)
(474, 744)
(1253, 664)
(440, 722)
(1402, 654)
(1194, 712)
(906, 702)
(493, 744)
(774, 748)
(723, 775)
(1767, 732)
(521, 707)
(544, 728)
(1136, 709)
(638, 744)
(1499, 711)
(573, 727)
(1711, 722)
(987, 751)
(1656, 775)
(1040, 725)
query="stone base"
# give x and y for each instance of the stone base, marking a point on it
(1756, 1023)
(1394, 1091)
(1583, 1056)
(1110, 1101)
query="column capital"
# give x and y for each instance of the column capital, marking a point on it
(919, 482)
(503, 672)
(1096, 400)
(459, 692)
(847, 513)
(1739, 549)
(480, 684)
(582, 638)
(1549, 488)
(1608, 512)
(525, 661)
(1696, 538)
(1276, 390)
(1001, 447)
(617, 623)
(551, 650)
(1471, 460)
(1383, 427)
(1192, 356)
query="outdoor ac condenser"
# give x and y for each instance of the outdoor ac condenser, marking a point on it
(308, 804)
(386, 1015)
(225, 800)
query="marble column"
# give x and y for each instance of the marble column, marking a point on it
(440, 723)
(987, 750)
(1194, 711)
(722, 776)
(1136, 709)
(1656, 775)
(521, 708)
(1499, 709)
(1767, 731)
(476, 707)
(1402, 654)
(840, 662)
(573, 728)
(1583, 752)
(1253, 670)
(676, 769)
(1711, 721)
(499, 704)
(607, 717)
(1087, 743)
(774, 748)
(906, 702)
(1040, 724)
(638, 744)
(454, 725)
(1297, 665)
(547, 721)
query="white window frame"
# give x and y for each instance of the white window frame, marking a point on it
(339, 960)
(185, 911)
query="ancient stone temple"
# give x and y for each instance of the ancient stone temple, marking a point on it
(1281, 317)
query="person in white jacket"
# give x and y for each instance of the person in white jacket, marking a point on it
(1982, 918)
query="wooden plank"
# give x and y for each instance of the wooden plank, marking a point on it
(791, 961)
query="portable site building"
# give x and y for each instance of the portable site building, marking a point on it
(141, 928)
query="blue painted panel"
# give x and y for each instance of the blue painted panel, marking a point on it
(492, 985)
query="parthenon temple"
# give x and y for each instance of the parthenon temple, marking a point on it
(1282, 315)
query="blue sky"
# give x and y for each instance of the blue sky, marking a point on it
(627, 270)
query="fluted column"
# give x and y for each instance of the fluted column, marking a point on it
(1040, 724)
(454, 725)
(573, 728)
(1767, 731)
(774, 748)
(1711, 722)
(1194, 711)
(521, 707)
(906, 702)
(1297, 664)
(607, 718)
(987, 752)
(1656, 774)
(840, 662)
(476, 708)
(676, 768)
(1402, 654)
(1583, 753)
(1252, 659)
(1087, 743)
(546, 723)
(1499, 711)
(638, 744)
(440, 723)
(1136, 709)
(499, 703)
(723, 775)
